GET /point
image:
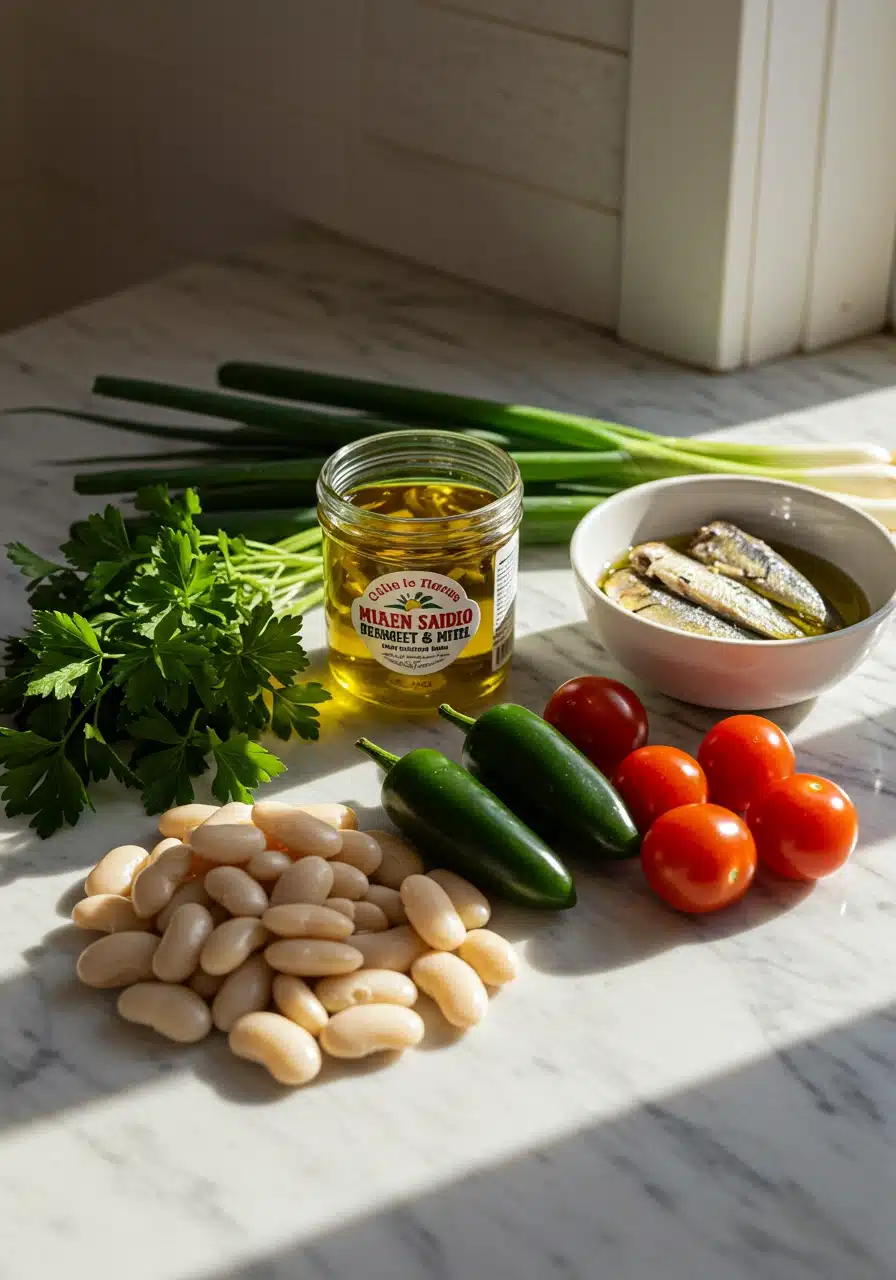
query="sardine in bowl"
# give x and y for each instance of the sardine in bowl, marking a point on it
(737, 675)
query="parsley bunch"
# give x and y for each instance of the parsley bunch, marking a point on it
(151, 658)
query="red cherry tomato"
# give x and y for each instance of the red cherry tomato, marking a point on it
(699, 858)
(741, 757)
(804, 827)
(603, 718)
(653, 780)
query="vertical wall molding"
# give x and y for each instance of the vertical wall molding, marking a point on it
(760, 193)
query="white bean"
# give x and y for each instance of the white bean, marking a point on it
(207, 985)
(118, 959)
(456, 987)
(268, 865)
(192, 891)
(307, 920)
(156, 884)
(369, 918)
(300, 833)
(296, 1001)
(236, 891)
(373, 1028)
(173, 1011)
(492, 956)
(471, 905)
(234, 812)
(348, 882)
(180, 821)
(388, 901)
(227, 843)
(335, 815)
(169, 842)
(343, 905)
(432, 913)
(232, 943)
(395, 948)
(399, 860)
(366, 986)
(313, 957)
(116, 871)
(246, 990)
(107, 913)
(309, 880)
(360, 850)
(178, 953)
(290, 1053)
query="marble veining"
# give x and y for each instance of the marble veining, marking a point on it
(656, 1097)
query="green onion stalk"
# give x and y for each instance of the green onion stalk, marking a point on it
(257, 474)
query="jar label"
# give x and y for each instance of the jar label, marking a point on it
(506, 564)
(415, 621)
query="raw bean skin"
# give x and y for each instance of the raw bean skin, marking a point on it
(116, 871)
(268, 865)
(471, 905)
(108, 913)
(192, 891)
(394, 949)
(177, 955)
(370, 919)
(232, 943)
(343, 905)
(335, 815)
(454, 985)
(227, 843)
(366, 986)
(169, 842)
(432, 913)
(296, 1001)
(246, 990)
(207, 985)
(290, 1053)
(308, 880)
(373, 1028)
(117, 960)
(388, 901)
(234, 812)
(175, 1012)
(306, 920)
(312, 957)
(301, 834)
(399, 860)
(348, 882)
(492, 956)
(360, 850)
(236, 891)
(179, 822)
(159, 880)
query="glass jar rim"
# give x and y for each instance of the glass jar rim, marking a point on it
(456, 450)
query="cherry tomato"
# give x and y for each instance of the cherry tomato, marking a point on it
(699, 858)
(741, 757)
(804, 827)
(603, 718)
(653, 780)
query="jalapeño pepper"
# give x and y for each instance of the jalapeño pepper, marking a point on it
(454, 818)
(546, 780)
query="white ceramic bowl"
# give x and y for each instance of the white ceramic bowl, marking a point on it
(738, 675)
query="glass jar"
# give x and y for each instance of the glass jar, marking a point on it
(420, 547)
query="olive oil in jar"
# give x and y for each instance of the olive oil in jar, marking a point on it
(420, 557)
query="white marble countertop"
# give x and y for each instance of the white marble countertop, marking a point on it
(655, 1097)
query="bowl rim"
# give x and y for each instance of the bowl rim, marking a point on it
(872, 622)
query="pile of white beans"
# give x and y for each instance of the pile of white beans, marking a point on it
(238, 910)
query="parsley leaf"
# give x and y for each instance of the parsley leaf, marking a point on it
(40, 780)
(69, 657)
(291, 713)
(242, 766)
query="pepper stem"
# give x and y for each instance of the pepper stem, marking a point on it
(385, 759)
(456, 717)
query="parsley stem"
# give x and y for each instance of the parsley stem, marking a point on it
(95, 703)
